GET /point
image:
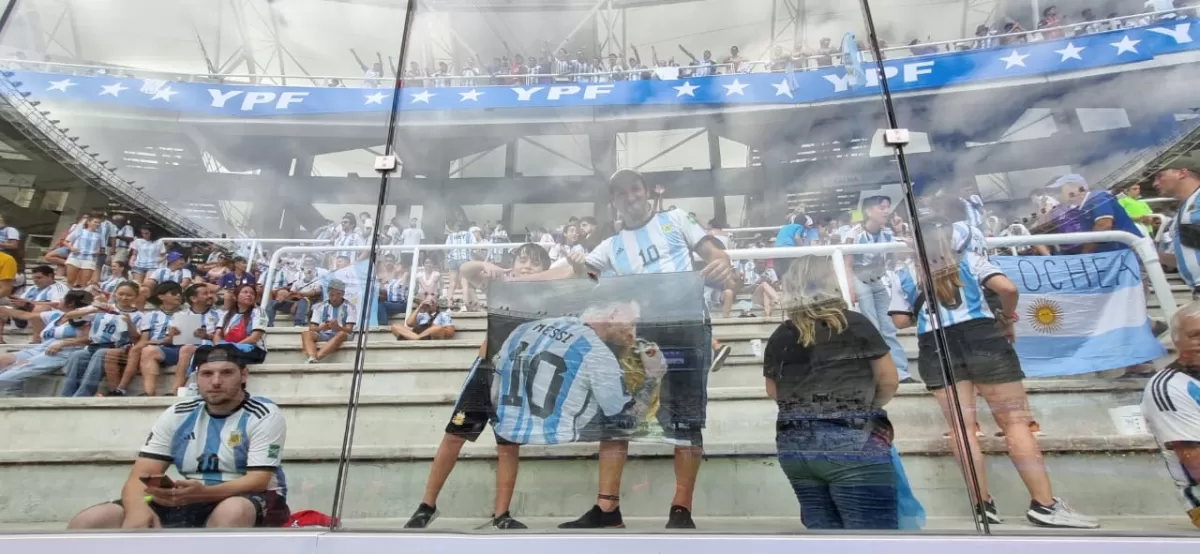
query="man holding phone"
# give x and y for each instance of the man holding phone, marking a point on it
(228, 447)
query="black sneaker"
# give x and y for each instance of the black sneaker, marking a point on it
(421, 518)
(596, 518)
(681, 518)
(506, 521)
(988, 511)
(115, 392)
(909, 381)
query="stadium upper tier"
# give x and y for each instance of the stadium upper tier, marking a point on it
(1165, 43)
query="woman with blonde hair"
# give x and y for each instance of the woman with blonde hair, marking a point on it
(982, 361)
(830, 374)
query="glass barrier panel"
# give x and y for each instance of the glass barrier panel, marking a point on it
(622, 338)
(1026, 126)
(194, 142)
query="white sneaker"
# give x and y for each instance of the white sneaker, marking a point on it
(1059, 515)
(311, 360)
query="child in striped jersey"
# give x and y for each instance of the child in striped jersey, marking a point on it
(119, 273)
(473, 408)
(982, 361)
(113, 331)
(155, 346)
(200, 299)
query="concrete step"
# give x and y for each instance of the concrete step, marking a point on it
(1064, 407)
(1103, 476)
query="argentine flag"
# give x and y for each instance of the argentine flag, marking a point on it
(1079, 314)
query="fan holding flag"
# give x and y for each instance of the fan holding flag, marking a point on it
(852, 62)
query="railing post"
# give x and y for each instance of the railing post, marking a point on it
(412, 280)
(839, 269)
(1144, 248)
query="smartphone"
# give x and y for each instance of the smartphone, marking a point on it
(159, 481)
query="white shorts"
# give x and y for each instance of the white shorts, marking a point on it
(81, 264)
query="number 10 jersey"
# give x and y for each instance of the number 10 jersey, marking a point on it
(553, 376)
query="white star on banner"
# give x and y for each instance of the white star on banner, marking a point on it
(376, 98)
(1126, 45)
(62, 85)
(422, 96)
(1071, 52)
(1014, 60)
(112, 90)
(473, 96)
(737, 87)
(686, 89)
(783, 89)
(164, 93)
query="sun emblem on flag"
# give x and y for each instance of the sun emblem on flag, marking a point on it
(1045, 315)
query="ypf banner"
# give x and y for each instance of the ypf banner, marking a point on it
(1079, 314)
(626, 358)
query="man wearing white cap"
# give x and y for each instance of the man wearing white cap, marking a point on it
(1101, 211)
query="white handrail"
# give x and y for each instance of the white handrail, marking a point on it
(1162, 225)
(754, 229)
(416, 249)
(254, 243)
(1142, 247)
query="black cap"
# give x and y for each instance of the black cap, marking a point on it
(240, 354)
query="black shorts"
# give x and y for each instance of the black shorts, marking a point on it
(979, 352)
(270, 510)
(473, 410)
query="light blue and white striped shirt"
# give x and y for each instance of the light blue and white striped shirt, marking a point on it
(397, 290)
(973, 271)
(662, 245)
(110, 284)
(217, 450)
(112, 328)
(1187, 259)
(870, 266)
(459, 254)
(54, 292)
(86, 243)
(324, 311)
(553, 377)
(164, 274)
(58, 328)
(349, 239)
(155, 324)
(149, 254)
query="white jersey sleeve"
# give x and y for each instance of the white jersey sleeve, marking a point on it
(267, 437)
(162, 434)
(981, 267)
(1171, 407)
(600, 258)
(687, 226)
(899, 303)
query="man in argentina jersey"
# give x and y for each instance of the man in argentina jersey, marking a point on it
(657, 243)
(332, 322)
(553, 376)
(45, 294)
(175, 272)
(1180, 180)
(1171, 406)
(227, 445)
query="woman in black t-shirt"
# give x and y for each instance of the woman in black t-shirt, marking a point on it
(830, 373)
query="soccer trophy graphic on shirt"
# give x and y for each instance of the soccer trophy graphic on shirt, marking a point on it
(577, 361)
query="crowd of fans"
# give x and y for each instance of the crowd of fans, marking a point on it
(126, 317)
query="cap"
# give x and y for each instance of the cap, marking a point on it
(337, 284)
(240, 354)
(173, 257)
(626, 174)
(1068, 179)
(1189, 161)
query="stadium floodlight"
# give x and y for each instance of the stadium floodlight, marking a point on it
(44, 113)
(26, 93)
(54, 122)
(35, 103)
(84, 146)
(73, 139)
